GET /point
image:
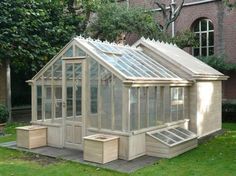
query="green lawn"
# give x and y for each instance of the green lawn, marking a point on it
(216, 157)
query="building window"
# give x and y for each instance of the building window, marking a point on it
(204, 31)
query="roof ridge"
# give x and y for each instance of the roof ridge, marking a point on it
(103, 42)
(159, 41)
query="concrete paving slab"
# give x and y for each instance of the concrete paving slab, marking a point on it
(77, 156)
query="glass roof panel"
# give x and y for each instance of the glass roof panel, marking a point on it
(173, 136)
(163, 138)
(131, 62)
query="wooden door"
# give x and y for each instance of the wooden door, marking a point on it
(72, 100)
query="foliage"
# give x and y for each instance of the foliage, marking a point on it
(184, 39)
(4, 115)
(33, 31)
(231, 4)
(112, 20)
(229, 111)
(218, 62)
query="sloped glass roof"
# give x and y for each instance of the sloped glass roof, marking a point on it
(130, 61)
(173, 136)
(177, 55)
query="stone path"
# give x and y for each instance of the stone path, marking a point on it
(77, 156)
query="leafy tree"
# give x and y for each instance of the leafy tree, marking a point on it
(33, 31)
(113, 20)
(231, 4)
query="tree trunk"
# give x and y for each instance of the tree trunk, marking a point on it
(9, 88)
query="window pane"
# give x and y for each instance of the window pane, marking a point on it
(152, 106)
(39, 102)
(143, 107)
(203, 25)
(204, 52)
(204, 39)
(117, 87)
(48, 102)
(211, 51)
(57, 70)
(211, 27)
(69, 90)
(93, 73)
(133, 108)
(211, 38)
(78, 88)
(69, 105)
(69, 52)
(106, 115)
(79, 52)
(196, 27)
(196, 51)
(58, 103)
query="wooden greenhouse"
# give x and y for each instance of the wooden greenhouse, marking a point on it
(155, 97)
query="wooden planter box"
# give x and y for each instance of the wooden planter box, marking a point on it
(100, 148)
(31, 136)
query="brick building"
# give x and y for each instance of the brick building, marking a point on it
(215, 26)
(3, 86)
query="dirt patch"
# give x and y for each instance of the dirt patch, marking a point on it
(39, 159)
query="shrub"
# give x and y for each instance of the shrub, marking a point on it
(4, 115)
(229, 112)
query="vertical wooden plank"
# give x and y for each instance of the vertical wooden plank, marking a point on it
(166, 99)
(99, 97)
(125, 108)
(186, 103)
(74, 91)
(63, 101)
(112, 103)
(88, 99)
(34, 102)
(84, 96)
(158, 104)
(139, 108)
(162, 107)
(52, 94)
(147, 110)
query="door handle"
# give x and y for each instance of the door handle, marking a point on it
(63, 104)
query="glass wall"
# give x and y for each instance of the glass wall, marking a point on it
(149, 106)
(49, 87)
(177, 103)
(106, 96)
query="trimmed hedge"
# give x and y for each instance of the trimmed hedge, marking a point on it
(229, 112)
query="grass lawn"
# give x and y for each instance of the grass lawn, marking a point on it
(216, 157)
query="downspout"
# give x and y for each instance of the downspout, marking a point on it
(172, 6)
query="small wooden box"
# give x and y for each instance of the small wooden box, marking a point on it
(31, 136)
(100, 148)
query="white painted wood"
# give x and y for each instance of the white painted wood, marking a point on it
(31, 136)
(100, 148)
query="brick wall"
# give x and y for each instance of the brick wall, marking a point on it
(224, 22)
(3, 89)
